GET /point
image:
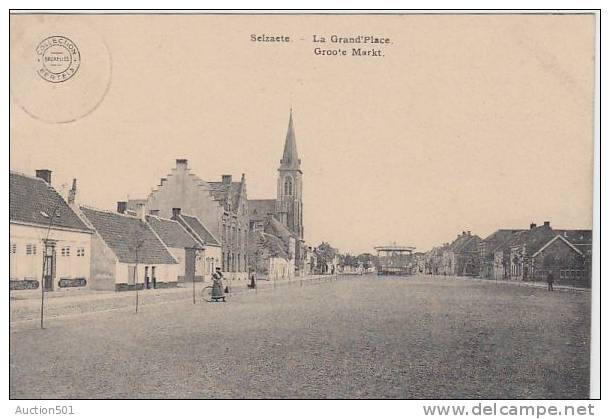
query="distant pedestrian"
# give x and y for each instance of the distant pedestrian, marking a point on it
(549, 280)
(218, 293)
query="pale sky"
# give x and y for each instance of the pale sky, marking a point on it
(466, 123)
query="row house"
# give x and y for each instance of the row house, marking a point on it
(461, 257)
(221, 206)
(127, 254)
(272, 250)
(311, 260)
(583, 241)
(45, 229)
(434, 260)
(188, 252)
(211, 256)
(196, 249)
(535, 252)
(490, 267)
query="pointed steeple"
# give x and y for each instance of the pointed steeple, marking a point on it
(290, 159)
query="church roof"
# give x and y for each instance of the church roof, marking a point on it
(274, 245)
(278, 229)
(290, 159)
(226, 192)
(260, 209)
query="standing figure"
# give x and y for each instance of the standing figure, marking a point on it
(550, 280)
(252, 281)
(218, 292)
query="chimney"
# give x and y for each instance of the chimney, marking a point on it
(154, 212)
(141, 211)
(163, 180)
(72, 193)
(44, 174)
(469, 233)
(547, 224)
(182, 164)
(463, 233)
(121, 207)
(227, 179)
(175, 213)
(532, 226)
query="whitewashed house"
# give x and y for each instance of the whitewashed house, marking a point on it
(183, 247)
(127, 254)
(211, 256)
(39, 218)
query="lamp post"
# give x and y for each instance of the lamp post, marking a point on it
(54, 214)
(139, 242)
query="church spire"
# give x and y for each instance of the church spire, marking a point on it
(290, 159)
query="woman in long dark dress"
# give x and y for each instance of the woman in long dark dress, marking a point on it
(218, 292)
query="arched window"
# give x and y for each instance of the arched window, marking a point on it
(288, 186)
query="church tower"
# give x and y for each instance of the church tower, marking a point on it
(289, 203)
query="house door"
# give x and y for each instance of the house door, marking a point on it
(146, 278)
(49, 268)
(153, 277)
(189, 265)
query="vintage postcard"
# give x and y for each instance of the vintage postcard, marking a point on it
(302, 205)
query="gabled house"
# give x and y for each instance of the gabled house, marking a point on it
(272, 250)
(127, 254)
(523, 245)
(182, 245)
(461, 257)
(434, 260)
(489, 266)
(221, 207)
(268, 256)
(583, 241)
(540, 250)
(211, 256)
(43, 225)
(311, 261)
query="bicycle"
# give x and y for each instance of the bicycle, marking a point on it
(206, 295)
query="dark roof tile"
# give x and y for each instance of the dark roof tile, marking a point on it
(172, 233)
(29, 197)
(196, 226)
(130, 239)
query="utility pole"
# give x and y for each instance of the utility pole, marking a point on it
(55, 213)
(135, 280)
(138, 244)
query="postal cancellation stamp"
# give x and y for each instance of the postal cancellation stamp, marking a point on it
(58, 59)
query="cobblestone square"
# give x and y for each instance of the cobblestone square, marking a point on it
(352, 337)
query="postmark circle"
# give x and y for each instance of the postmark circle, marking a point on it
(58, 59)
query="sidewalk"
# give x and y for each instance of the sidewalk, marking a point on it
(25, 305)
(542, 285)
